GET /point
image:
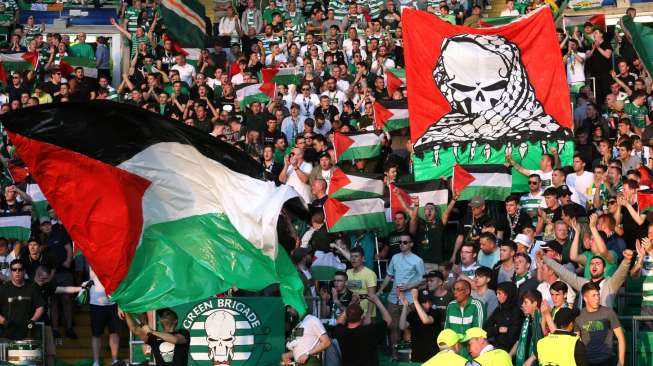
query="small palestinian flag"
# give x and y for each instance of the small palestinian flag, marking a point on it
(420, 193)
(352, 186)
(248, 93)
(15, 226)
(17, 62)
(460, 179)
(285, 75)
(645, 200)
(573, 21)
(69, 64)
(39, 202)
(395, 79)
(365, 214)
(356, 145)
(492, 182)
(647, 176)
(164, 213)
(390, 115)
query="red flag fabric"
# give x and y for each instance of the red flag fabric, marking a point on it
(647, 176)
(461, 178)
(645, 200)
(66, 68)
(392, 82)
(395, 204)
(268, 89)
(381, 115)
(268, 74)
(485, 85)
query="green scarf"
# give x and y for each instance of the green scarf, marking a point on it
(525, 345)
(519, 280)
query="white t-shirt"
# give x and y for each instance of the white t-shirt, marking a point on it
(186, 73)
(509, 13)
(581, 184)
(544, 288)
(293, 180)
(96, 294)
(575, 69)
(544, 177)
(311, 329)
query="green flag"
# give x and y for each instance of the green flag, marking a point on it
(185, 22)
(641, 37)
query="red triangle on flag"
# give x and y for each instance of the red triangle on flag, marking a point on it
(3, 74)
(338, 180)
(268, 89)
(599, 21)
(647, 176)
(381, 115)
(644, 200)
(66, 68)
(395, 204)
(341, 143)
(461, 178)
(333, 211)
(392, 82)
(269, 73)
(31, 57)
(175, 45)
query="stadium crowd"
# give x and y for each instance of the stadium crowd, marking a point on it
(532, 279)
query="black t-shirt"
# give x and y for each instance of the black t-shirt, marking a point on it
(204, 125)
(470, 228)
(422, 335)
(31, 265)
(17, 305)
(632, 231)
(597, 64)
(167, 58)
(47, 290)
(393, 242)
(83, 89)
(317, 206)
(510, 225)
(168, 354)
(440, 305)
(57, 241)
(358, 345)
(428, 241)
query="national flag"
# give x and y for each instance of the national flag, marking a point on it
(647, 176)
(419, 193)
(68, 65)
(492, 182)
(364, 214)
(39, 202)
(284, 75)
(17, 62)
(394, 79)
(460, 179)
(645, 200)
(18, 170)
(585, 4)
(185, 21)
(351, 186)
(356, 145)
(248, 93)
(164, 214)
(570, 22)
(16, 226)
(641, 37)
(477, 94)
(390, 115)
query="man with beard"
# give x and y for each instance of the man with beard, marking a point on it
(515, 218)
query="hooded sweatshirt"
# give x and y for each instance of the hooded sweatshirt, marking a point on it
(507, 315)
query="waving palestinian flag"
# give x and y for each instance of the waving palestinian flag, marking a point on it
(351, 186)
(390, 115)
(364, 214)
(479, 94)
(165, 214)
(356, 145)
(185, 20)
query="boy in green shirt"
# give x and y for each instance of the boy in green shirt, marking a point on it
(637, 111)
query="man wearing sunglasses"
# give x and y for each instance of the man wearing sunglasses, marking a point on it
(20, 304)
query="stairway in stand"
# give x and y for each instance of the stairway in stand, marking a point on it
(72, 351)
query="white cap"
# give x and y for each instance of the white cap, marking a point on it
(522, 239)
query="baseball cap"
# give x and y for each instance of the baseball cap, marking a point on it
(522, 239)
(325, 154)
(552, 245)
(476, 201)
(475, 332)
(564, 190)
(448, 338)
(432, 274)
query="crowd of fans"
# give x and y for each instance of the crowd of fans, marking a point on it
(548, 263)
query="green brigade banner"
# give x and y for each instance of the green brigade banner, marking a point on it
(235, 331)
(526, 154)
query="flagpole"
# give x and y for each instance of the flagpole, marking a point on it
(378, 261)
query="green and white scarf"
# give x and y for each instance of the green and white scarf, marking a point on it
(526, 345)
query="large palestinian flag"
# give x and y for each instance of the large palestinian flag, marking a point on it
(479, 94)
(164, 213)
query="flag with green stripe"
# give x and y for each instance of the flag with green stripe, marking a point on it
(364, 214)
(492, 182)
(391, 115)
(351, 186)
(642, 39)
(185, 21)
(39, 202)
(356, 145)
(68, 64)
(16, 226)
(420, 194)
(249, 93)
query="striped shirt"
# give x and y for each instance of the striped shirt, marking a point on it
(460, 319)
(131, 15)
(647, 285)
(136, 41)
(267, 40)
(375, 8)
(10, 4)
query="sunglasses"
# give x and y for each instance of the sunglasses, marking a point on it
(404, 242)
(531, 182)
(17, 269)
(303, 89)
(611, 202)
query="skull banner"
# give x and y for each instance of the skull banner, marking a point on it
(478, 94)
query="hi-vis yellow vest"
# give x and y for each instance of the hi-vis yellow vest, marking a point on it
(446, 358)
(557, 350)
(496, 357)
